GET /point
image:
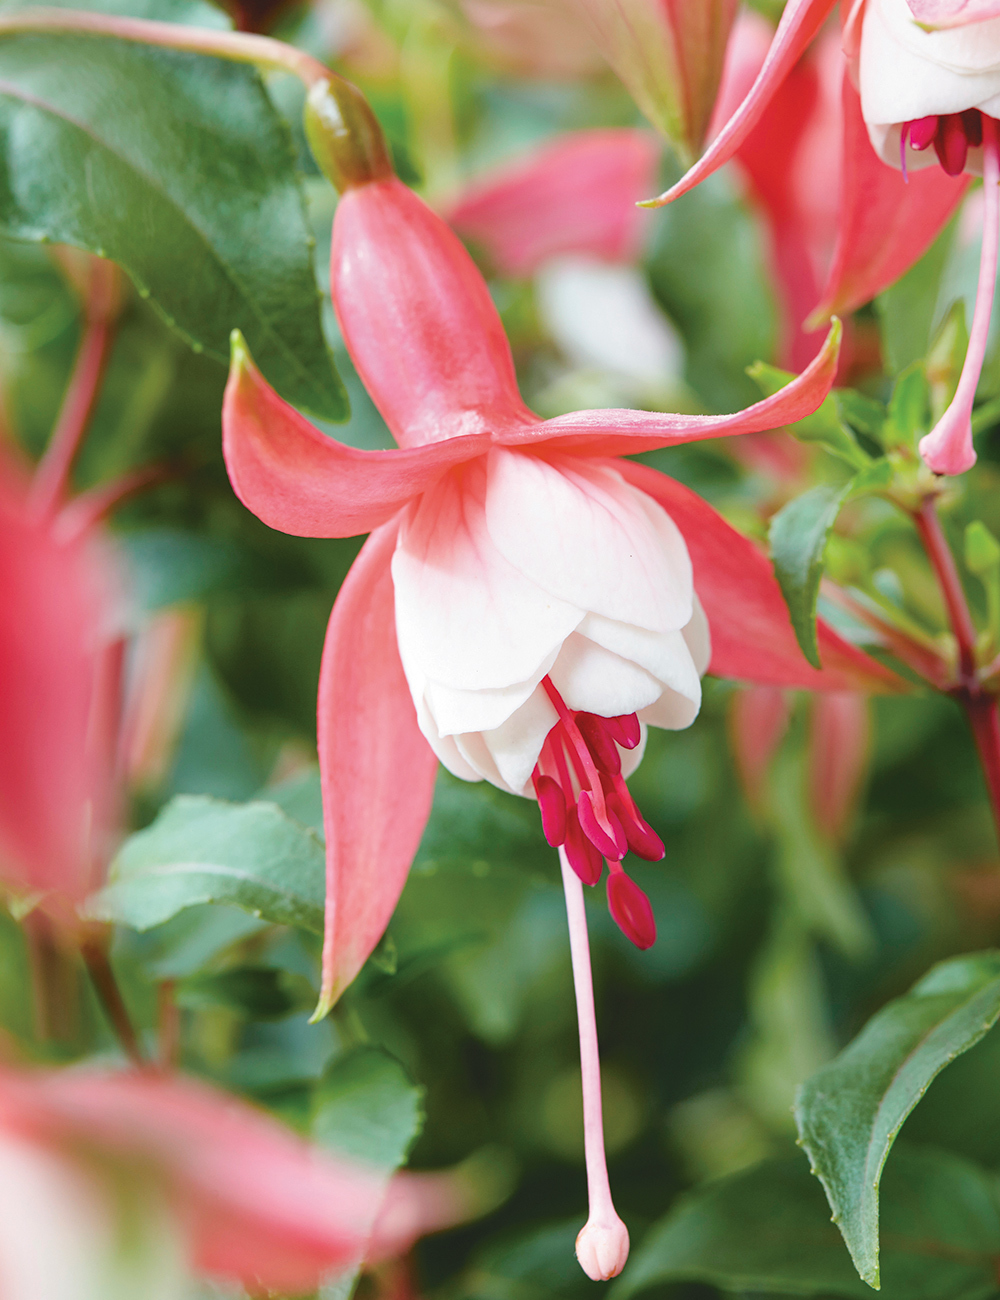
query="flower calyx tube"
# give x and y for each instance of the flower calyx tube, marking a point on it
(344, 135)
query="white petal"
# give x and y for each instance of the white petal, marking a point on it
(604, 316)
(698, 635)
(464, 615)
(445, 747)
(591, 678)
(474, 750)
(907, 73)
(516, 745)
(581, 532)
(665, 655)
(671, 711)
(456, 711)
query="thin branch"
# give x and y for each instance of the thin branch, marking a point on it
(95, 957)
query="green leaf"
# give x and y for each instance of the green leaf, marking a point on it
(797, 537)
(367, 1107)
(203, 850)
(850, 1112)
(906, 310)
(177, 167)
(860, 412)
(256, 992)
(825, 426)
(768, 1229)
(909, 408)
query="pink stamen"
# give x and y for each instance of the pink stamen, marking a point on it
(922, 132)
(642, 839)
(552, 806)
(613, 845)
(903, 137)
(948, 448)
(624, 730)
(583, 857)
(631, 909)
(951, 144)
(600, 742)
(602, 1246)
(583, 760)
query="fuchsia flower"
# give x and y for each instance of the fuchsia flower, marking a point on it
(230, 1192)
(922, 123)
(526, 605)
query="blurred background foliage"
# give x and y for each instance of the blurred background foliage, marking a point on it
(775, 943)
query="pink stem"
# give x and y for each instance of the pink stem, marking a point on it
(948, 448)
(602, 1246)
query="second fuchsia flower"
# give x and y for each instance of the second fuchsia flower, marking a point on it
(929, 77)
(526, 606)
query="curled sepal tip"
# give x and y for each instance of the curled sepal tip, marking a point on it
(344, 135)
(602, 1247)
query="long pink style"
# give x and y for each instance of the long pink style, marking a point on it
(948, 448)
(602, 1245)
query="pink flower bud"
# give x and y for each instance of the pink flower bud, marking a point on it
(758, 717)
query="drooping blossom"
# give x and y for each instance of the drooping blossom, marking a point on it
(195, 1182)
(527, 603)
(922, 124)
(566, 215)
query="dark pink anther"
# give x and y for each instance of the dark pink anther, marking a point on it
(595, 732)
(922, 132)
(951, 145)
(611, 845)
(552, 806)
(624, 730)
(972, 124)
(642, 839)
(630, 907)
(585, 860)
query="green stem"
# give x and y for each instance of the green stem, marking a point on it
(240, 47)
(94, 952)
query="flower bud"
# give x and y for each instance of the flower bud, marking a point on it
(602, 1248)
(344, 135)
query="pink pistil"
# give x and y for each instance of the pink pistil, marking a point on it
(948, 448)
(631, 909)
(904, 135)
(602, 1245)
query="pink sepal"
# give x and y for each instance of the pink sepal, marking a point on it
(885, 223)
(799, 23)
(623, 433)
(377, 769)
(752, 636)
(575, 194)
(418, 319)
(299, 481)
(953, 13)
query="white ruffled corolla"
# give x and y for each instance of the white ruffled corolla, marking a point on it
(908, 74)
(932, 96)
(517, 568)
